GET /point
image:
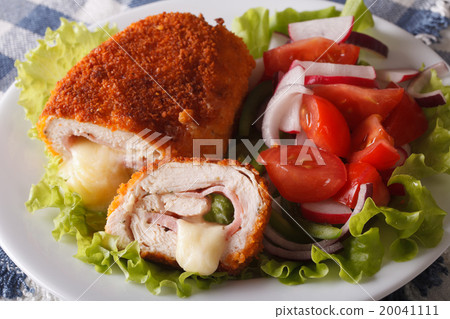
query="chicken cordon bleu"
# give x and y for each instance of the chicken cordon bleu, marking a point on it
(171, 75)
(163, 208)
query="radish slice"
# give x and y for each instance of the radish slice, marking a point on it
(331, 69)
(281, 247)
(330, 73)
(283, 109)
(327, 211)
(397, 75)
(367, 42)
(321, 79)
(429, 99)
(277, 40)
(337, 29)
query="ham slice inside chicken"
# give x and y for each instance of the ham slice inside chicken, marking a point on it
(167, 220)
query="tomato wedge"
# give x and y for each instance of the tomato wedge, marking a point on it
(357, 103)
(407, 121)
(303, 173)
(358, 174)
(369, 132)
(325, 125)
(381, 155)
(312, 49)
(372, 144)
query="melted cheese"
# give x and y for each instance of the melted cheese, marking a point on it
(95, 172)
(199, 246)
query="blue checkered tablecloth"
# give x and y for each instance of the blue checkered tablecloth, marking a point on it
(22, 22)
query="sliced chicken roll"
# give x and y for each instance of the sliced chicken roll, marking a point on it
(146, 93)
(164, 209)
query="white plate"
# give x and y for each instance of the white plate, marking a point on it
(27, 239)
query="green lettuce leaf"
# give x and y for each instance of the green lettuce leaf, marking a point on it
(362, 256)
(403, 249)
(280, 20)
(101, 251)
(45, 65)
(253, 28)
(435, 143)
(419, 199)
(416, 218)
(52, 191)
(363, 17)
(416, 167)
(291, 272)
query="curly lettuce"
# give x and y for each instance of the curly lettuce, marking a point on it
(45, 65)
(101, 251)
(253, 28)
(435, 143)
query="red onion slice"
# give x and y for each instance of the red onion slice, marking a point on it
(295, 76)
(430, 99)
(403, 156)
(407, 149)
(337, 29)
(331, 73)
(279, 240)
(368, 42)
(283, 109)
(300, 255)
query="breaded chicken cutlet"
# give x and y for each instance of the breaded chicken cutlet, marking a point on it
(171, 74)
(162, 207)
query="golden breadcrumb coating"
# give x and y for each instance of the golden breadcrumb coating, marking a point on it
(201, 72)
